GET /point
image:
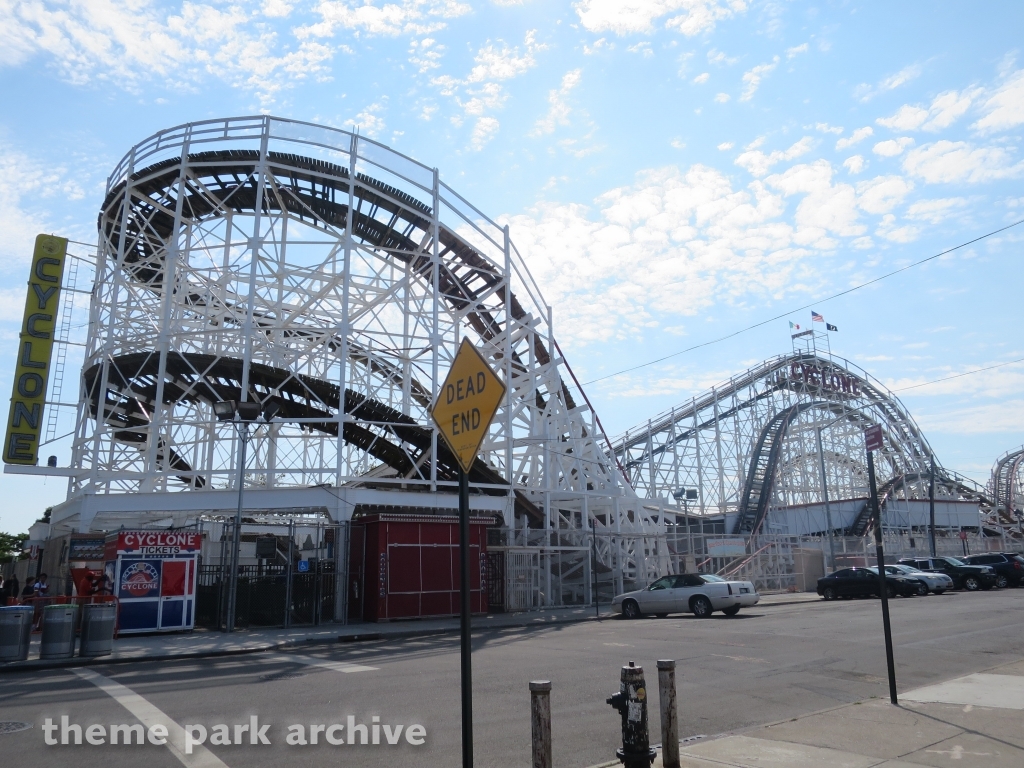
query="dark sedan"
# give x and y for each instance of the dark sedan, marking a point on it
(964, 576)
(1009, 567)
(863, 582)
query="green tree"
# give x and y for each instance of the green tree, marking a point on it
(10, 546)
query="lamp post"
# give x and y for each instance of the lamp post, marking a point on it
(684, 495)
(824, 496)
(241, 414)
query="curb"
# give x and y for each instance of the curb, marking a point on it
(36, 665)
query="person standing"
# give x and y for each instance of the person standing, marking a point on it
(12, 587)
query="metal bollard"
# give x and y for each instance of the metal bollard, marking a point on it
(631, 701)
(669, 718)
(540, 722)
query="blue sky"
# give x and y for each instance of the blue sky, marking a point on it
(672, 170)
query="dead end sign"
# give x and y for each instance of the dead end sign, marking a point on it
(468, 400)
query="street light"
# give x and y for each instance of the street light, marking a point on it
(684, 495)
(824, 493)
(241, 414)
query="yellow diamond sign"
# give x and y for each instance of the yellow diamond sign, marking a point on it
(467, 402)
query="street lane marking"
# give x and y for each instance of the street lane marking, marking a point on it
(338, 666)
(149, 715)
(982, 690)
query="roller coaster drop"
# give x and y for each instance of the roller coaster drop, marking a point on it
(310, 268)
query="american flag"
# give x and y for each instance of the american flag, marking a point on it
(816, 318)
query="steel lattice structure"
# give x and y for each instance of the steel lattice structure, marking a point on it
(749, 447)
(290, 263)
(1006, 486)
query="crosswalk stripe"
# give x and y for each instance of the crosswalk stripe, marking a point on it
(149, 715)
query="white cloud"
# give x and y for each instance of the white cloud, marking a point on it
(627, 17)
(103, 40)
(725, 145)
(368, 121)
(888, 230)
(702, 77)
(722, 98)
(854, 164)
(753, 77)
(758, 163)
(426, 54)
(643, 48)
(558, 111)
(892, 147)
(866, 92)
(882, 193)
(935, 211)
(858, 135)
(718, 58)
(25, 183)
(665, 247)
(826, 128)
(945, 109)
(826, 209)
(409, 17)
(483, 131)
(1006, 417)
(1004, 108)
(796, 50)
(951, 161)
(503, 63)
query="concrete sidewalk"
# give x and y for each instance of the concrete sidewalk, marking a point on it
(966, 722)
(204, 643)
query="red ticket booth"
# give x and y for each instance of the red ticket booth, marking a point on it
(407, 566)
(153, 574)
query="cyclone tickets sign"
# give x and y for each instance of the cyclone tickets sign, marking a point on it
(139, 578)
(158, 543)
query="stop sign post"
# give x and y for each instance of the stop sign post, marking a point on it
(873, 442)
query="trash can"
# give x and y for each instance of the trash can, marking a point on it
(58, 632)
(98, 629)
(15, 632)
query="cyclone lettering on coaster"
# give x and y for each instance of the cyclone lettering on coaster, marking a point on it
(140, 579)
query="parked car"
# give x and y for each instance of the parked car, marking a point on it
(863, 582)
(1009, 567)
(698, 593)
(935, 582)
(964, 576)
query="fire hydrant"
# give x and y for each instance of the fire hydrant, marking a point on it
(631, 701)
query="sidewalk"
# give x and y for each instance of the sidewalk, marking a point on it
(969, 722)
(204, 643)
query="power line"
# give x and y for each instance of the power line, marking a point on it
(816, 302)
(958, 375)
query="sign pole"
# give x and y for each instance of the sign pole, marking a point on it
(875, 441)
(463, 410)
(466, 615)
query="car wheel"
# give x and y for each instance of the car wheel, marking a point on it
(701, 607)
(971, 584)
(829, 593)
(922, 590)
(630, 609)
(890, 591)
(1002, 582)
(732, 610)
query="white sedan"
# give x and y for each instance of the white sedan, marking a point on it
(697, 593)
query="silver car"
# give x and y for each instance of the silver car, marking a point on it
(936, 582)
(697, 593)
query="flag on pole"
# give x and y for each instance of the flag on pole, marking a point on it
(816, 318)
(793, 325)
(830, 327)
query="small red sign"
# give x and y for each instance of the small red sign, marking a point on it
(158, 543)
(963, 534)
(873, 437)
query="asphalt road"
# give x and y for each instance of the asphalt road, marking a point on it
(764, 665)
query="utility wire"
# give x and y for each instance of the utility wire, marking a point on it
(958, 375)
(816, 302)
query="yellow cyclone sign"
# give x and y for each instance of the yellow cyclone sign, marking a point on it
(35, 346)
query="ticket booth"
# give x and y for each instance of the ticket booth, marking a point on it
(153, 574)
